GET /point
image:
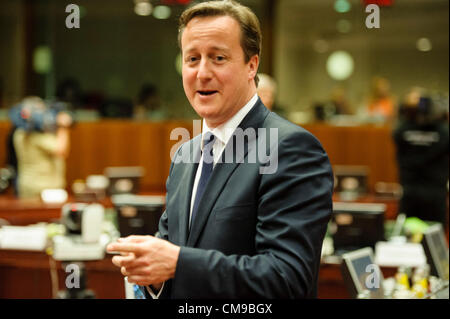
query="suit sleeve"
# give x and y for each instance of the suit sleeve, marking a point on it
(295, 205)
(163, 230)
(163, 233)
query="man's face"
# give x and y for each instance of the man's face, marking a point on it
(216, 79)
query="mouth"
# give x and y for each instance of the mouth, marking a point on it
(206, 92)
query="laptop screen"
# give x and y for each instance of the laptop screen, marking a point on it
(362, 275)
(138, 214)
(356, 225)
(436, 250)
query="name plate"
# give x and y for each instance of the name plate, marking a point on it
(395, 254)
(23, 237)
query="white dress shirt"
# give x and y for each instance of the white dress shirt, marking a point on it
(223, 134)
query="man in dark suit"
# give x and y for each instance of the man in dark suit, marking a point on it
(238, 223)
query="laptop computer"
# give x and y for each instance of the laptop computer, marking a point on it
(362, 277)
(436, 250)
(351, 179)
(138, 214)
(123, 179)
(356, 225)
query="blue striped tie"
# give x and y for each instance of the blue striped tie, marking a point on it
(207, 168)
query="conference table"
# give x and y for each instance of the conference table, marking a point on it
(35, 274)
(31, 274)
(43, 276)
(27, 275)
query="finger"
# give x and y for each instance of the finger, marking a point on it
(122, 253)
(125, 247)
(110, 247)
(135, 271)
(136, 239)
(134, 263)
(121, 261)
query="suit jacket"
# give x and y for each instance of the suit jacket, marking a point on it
(255, 235)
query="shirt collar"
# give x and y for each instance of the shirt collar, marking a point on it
(224, 132)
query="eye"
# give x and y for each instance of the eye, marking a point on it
(220, 58)
(191, 59)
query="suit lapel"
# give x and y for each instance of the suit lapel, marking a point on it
(222, 172)
(187, 185)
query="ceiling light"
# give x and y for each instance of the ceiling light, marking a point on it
(143, 8)
(340, 65)
(161, 12)
(424, 45)
(342, 6)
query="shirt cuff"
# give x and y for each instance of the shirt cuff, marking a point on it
(152, 294)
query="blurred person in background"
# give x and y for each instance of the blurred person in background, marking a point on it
(421, 138)
(339, 101)
(41, 143)
(148, 104)
(381, 106)
(267, 91)
(337, 105)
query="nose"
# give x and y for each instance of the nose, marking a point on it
(204, 70)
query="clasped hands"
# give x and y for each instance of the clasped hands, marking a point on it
(146, 260)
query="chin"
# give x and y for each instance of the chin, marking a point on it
(208, 114)
(204, 113)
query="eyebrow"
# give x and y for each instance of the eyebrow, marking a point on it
(215, 48)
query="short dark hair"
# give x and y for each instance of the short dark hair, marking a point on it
(251, 36)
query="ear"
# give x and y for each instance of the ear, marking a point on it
(253, 65)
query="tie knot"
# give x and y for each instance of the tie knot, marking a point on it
(208, 139)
